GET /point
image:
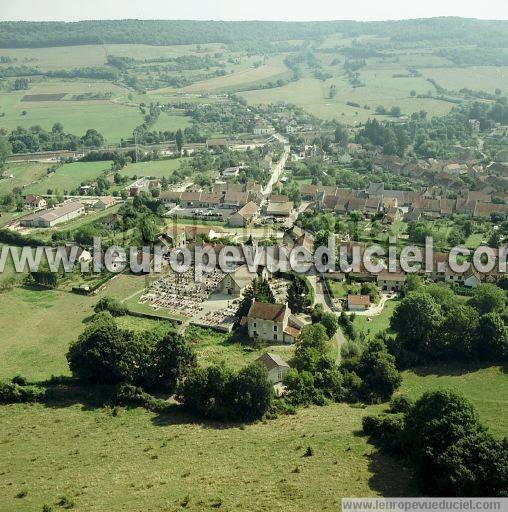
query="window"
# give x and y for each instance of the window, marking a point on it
(274, 328)
(275, 337)
(255, 324)
(254, 333)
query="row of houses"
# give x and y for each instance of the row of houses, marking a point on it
(424, 204)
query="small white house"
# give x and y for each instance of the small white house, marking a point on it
(275, 365)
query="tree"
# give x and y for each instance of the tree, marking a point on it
(371, 290)
(103, 353)
(376, 367)
(5, 150)
(488, 298)
(457, 336)
(413, 283)
(299, 294)
(169, 361)
(477, 465)
(330, 322)
(415, 321)
(251, 393)
(493, 339)
(438, 420)
(147, 229)
(179, 140)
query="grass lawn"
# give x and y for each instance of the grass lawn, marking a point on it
(69, 177)
(139, 461)
(113, 120)
(215, 348)
(487, 388)
(154, 168)
(377, 323)
(24, 174)
(171, 122)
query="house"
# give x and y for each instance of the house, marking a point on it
(235, 199)
(391, 281)
(358, 302)
(35, 202)
(263, 129)
(230, 172)
(234, 283)
(279, 209)
(245, 215)
(275, 365)
(472, 278)
(269, 322)
(54, 216)
(104, 202)
(111, 221)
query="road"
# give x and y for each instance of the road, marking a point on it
(322, 297)
(278, 167)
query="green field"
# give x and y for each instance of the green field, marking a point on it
(487, 388)
(154, 168)
(24, 173)
(377, 323)
(68, 177)
(486, 78)
(171, 122)
(113, 120)
(380, 89)
(138, 461)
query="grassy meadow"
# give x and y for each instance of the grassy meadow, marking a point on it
(68, 177)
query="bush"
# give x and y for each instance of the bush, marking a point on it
(131, 395)
(400, 403)
(115, 307)
(11, 392)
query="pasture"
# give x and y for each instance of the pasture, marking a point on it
(313, 95)
(478, 78)
(113, 120)
(153, 168)
(135, 460)
(68, 177)
(25, 173)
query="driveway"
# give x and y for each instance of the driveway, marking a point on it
(322, 297)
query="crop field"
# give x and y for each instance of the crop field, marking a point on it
(486, 78)
(24, 174)
(271, 70)
(68, 177)
(66, 57)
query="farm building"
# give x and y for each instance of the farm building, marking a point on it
(245, 215)
(279, 209)
(54, 216)
(104, 202)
